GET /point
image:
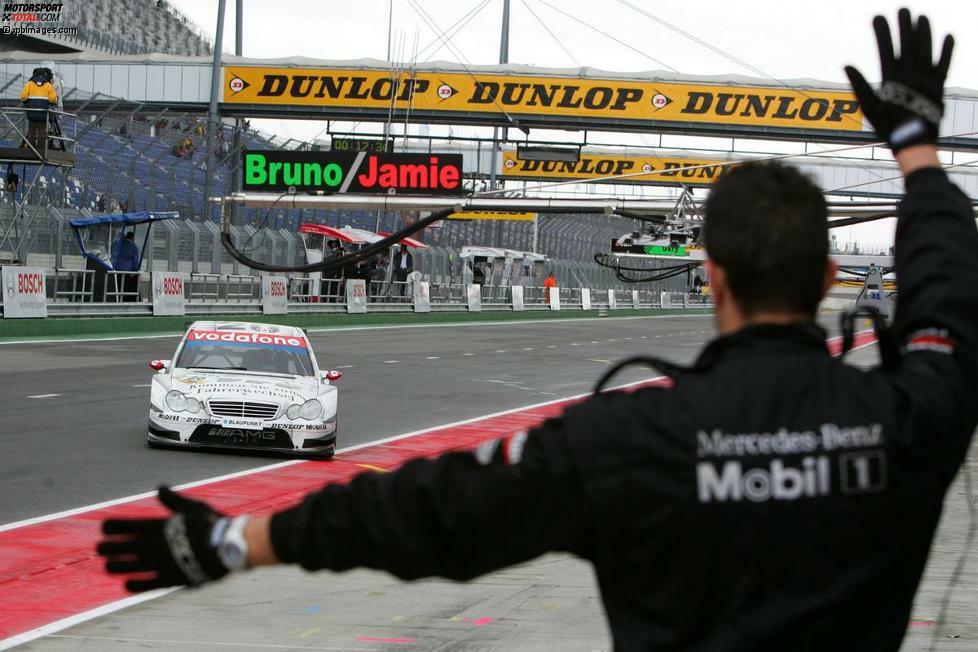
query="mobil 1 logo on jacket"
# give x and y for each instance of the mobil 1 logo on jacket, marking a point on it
(787, 465)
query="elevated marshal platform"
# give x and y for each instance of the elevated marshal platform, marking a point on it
(57, 158)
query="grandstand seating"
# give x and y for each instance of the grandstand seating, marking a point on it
(136, 168)
(132, 27)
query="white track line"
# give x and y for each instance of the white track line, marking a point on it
(261, 469)
(44, 395)
(328, 329)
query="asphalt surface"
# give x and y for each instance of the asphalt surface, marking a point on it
(73, 415)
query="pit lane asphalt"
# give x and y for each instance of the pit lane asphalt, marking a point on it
(83, 440)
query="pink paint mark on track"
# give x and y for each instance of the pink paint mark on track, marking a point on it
(49, 570)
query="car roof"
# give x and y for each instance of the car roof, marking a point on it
(245, 327)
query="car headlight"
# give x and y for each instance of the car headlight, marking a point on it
(308, 410)
(177, 402)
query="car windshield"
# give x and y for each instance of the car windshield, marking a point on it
(244, 351)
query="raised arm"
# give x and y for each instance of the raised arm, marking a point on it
(936, 321)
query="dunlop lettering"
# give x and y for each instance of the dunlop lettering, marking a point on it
(643, 169)
(448, 93)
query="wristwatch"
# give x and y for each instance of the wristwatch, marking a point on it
(232, 549)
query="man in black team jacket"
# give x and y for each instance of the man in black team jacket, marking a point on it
(772, 499)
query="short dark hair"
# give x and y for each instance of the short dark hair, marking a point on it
(766, 225)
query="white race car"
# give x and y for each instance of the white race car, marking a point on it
(244, 386)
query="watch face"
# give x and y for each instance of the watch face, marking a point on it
(231, 554)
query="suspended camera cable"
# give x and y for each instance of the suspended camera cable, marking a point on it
(262, 225)
(454, 29)
(335, 264)
(728, 56)
(463, 60)
(966, 164)
(411, 76)
(552, 35)
(610, 36)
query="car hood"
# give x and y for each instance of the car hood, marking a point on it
(272, 389)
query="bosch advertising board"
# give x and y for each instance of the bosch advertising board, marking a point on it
(352, 172)
(169, 294)
(274, 295)
(24, 292)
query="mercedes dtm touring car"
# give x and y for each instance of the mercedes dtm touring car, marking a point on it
(244, 386)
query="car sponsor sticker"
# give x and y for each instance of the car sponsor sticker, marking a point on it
(252, 339)
(243, 423)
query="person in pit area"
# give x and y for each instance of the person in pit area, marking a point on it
(772, 498)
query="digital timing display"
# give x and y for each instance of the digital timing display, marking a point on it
(362, 145)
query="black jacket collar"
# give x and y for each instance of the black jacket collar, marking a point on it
(799, 335)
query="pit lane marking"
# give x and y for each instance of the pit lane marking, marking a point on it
(432, 357)
(44, 395)
(341, 366)
(143, 385)
(468, 354)
(390, 361)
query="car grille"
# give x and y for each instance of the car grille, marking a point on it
(243, 409)
(210, 435)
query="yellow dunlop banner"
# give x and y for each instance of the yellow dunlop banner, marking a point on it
(592, 166)
(570, 97)
(493, 215)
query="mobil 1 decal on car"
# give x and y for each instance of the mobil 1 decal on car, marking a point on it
(352, 172)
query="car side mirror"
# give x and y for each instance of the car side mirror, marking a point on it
(332, 375)
(158, 365)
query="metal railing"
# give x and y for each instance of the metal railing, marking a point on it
(73, 286)
(122, 287)
(90, 293)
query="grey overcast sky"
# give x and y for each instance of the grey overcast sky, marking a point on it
(785, 39)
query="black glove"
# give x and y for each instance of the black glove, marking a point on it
(178, 550)
(907, 109)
